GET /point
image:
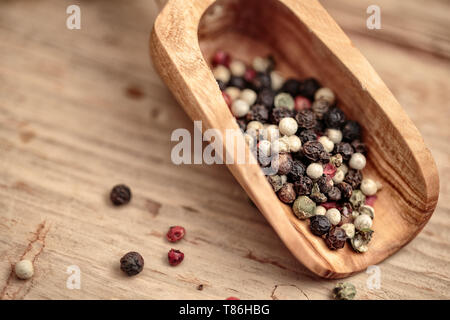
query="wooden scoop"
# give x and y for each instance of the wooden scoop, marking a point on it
(306, 42)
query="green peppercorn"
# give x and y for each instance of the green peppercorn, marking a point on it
(344, 291)
(357, 199)
(304, 207)
(361, 240)
(284, 100)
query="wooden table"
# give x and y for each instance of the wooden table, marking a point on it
(82, 110)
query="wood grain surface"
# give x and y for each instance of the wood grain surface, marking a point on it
(82, 110)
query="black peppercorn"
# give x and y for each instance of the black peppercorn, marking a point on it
(346, 190)
(238, 82)
(359, 146)
(307, 135)
(266, 97)
(306, 119)
(280, 113)
(242, 125)
(303, 185)
(222, 85)
(344, 149)
(334, 194)
(336, 238)
(287, 193)
(261, 81)
(298, 170)
(319, 225)
(320, 107)
(325, 183)
(353, 178)
(291, 86)
(283, 163)
(259, 113)
(351, 131)
(320, 127)
(120, 195)
(346, 213)
(308, 88)
(316, 195)
(132, 263)
(314, 151)
(334, 118)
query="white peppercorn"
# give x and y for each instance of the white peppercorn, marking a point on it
(362, 222)
(249, 140)
(368, 187)
(222, 73)
(261, 64)
(281, 145)
(237, 68)
(320, 211)
(325, 94)
(328, 145)
(256, 125)
(349, 229)
(334, 135)
(233, 92)
(264, 148)
(379, 185)
(277, 80)
(288, 126)
(334, 216)
(357, 161)
(314, 170)
(367, 210)
(240, 108)
(24, 269)
(249, 96)
(344, 168)
(338, 176)
(295, 144)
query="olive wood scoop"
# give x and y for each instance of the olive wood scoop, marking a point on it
(306, 42)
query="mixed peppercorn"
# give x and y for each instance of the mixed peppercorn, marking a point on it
(296, 127)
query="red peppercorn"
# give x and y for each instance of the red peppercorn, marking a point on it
(175, 257)
(302, 103)
(249, 75)
(232, 298)
(330, 170)
(227, 98)
(221, 58)
(329, 205)
(370, 200)
(175, 233)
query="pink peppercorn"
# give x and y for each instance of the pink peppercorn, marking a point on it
(227, 98)
(302, 103)
(249, 75)
(175, 257)
(329, 169)
(221, 58)
(232, 298)
(370, 200)
(329, 205)
(175, 233)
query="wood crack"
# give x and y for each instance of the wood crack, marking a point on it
(13, 286)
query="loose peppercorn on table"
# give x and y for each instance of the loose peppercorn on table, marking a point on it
(83, 111)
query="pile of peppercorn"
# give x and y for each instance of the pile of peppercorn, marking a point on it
(320, 155)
